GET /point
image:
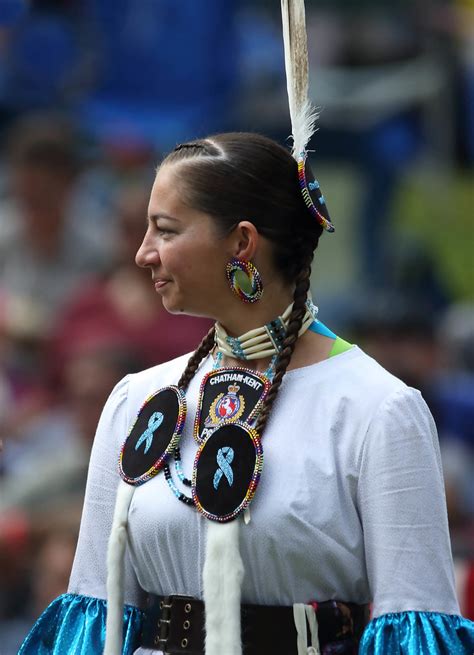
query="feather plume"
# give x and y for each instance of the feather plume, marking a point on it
(302, 113)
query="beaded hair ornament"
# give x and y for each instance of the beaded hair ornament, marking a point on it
(302, 113)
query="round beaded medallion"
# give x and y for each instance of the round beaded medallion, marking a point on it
(153, 436)
(226, 471)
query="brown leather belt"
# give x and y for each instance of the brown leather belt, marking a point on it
(175, 625)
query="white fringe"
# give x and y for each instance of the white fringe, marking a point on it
(302, 613)
(115, 570)
(222, 580)
(302, 113)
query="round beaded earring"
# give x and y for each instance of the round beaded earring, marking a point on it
(244, 280)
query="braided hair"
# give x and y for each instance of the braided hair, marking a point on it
(243, 176)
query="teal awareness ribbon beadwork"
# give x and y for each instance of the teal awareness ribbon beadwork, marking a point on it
(224, 459)
(154, 422)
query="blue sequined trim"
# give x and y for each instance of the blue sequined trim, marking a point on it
(75, 625)
(418, 633)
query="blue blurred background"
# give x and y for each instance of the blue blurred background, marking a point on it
(92, 93)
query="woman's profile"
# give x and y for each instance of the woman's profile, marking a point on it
(260, 494)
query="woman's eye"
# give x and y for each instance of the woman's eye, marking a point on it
(162, 231)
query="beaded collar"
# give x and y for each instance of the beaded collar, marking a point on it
(262, 341)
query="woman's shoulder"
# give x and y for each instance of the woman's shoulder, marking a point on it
(131, 392)
(350, 373)
(382, 398)
(366, 373)
(372, 385)
(352, 382)
(146, 382)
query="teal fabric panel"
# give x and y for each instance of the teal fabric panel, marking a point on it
(320, 328)
(75, 625)
(418, 633)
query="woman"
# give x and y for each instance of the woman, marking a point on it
(350, 506)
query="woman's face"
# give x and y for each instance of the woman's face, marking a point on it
(183, 251)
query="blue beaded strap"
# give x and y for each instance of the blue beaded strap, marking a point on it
(179, 494)
(179, 468)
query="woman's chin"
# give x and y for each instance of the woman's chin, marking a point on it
(177, 307)
(173, 305)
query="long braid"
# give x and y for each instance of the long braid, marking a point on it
(196, 358)
(294, 325)
(191, 367)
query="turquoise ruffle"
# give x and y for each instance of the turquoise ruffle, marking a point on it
(75, 625)
(418, 633)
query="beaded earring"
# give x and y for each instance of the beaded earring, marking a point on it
(244, 280)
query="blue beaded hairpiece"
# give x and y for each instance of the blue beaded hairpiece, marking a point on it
(311, 190)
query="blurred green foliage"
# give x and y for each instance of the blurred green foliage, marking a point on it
(438, 209)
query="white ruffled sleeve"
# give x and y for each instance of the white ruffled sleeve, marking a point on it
(89, 572)
(403, 510)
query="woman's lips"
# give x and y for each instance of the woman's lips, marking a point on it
(159, 284)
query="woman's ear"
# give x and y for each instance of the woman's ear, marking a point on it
(245, 240)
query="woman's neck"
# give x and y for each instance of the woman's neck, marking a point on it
(240, 317)
(310, 348)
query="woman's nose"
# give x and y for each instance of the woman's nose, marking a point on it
(146, 255)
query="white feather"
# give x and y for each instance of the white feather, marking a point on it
(304, 127)
(115, 570)
(302, 113)
(222, 580)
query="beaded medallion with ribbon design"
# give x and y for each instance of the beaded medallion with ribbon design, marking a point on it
(227, 470)
(153, 436)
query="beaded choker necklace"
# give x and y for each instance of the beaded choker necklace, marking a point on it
(263, 341)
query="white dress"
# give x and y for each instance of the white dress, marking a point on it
(350, 505)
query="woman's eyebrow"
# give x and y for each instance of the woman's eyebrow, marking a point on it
(155, 217)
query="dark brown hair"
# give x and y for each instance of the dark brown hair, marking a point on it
(242, 176)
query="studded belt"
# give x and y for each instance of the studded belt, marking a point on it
(175, 625)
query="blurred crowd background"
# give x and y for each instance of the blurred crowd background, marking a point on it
(92, 93)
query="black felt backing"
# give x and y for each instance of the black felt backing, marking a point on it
(136, 463)
(227, 497)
